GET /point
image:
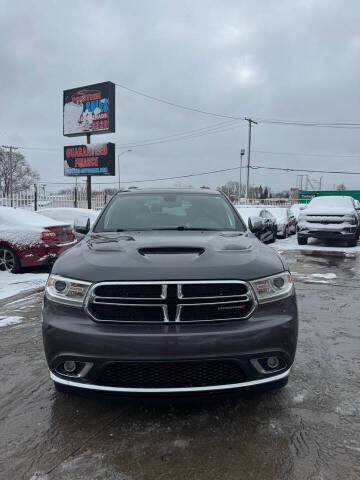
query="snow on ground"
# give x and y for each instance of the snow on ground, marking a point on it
(324, 275)
(5, 321)
(12, 284)
(290, 243)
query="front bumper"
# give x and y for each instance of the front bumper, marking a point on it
(69, 334)
(345, 234)
(212, 388)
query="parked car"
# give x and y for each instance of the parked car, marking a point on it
(267, 230)
(296, 209)
(169, 294)
(330, 218)
(69, 215)
(28, 239)
(285, 220)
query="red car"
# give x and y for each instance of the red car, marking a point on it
(28, 239)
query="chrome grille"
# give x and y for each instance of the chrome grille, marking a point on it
(182, 301)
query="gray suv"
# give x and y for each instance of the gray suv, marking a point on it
(169, 293)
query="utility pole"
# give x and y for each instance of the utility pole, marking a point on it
(248, 156)
(11, 148)
(242, 153)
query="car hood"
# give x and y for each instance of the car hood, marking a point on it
(328, 211)
(168, 255)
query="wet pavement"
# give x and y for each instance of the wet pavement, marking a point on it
(308, 430)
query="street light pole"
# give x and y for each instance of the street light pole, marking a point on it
(122, 153)
(242, 153)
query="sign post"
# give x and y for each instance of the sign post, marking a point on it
(88, 179)
(89, 110)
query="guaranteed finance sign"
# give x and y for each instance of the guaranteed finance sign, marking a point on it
(96, 159)
(89, 109)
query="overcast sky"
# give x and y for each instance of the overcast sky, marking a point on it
(292, 60)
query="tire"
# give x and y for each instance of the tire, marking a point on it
(352, 243)
(9, 261)
(302, 240)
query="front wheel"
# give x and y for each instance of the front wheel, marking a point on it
(273, 238)
(302, 240)
(9, 261)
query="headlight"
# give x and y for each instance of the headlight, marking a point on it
(66, 290)
(301, 217)
(273, 288)
(350, 219)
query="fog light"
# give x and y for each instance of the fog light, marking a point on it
(272, 362)
(69, 366)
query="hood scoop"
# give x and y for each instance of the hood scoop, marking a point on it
(171, 251)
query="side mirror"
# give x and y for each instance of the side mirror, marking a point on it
(82, 225)
(256, 224)
(302, 207)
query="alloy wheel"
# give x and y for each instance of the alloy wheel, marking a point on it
(7, 260)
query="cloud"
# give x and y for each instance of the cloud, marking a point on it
(291, 60)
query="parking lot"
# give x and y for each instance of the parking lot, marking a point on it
(309, 430)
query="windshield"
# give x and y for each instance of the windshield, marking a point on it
(168, 211)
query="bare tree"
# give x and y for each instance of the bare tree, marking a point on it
(23, 176)
(341, 187)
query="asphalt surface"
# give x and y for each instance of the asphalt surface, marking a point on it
(308, 430)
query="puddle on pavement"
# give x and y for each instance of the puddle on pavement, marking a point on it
(304, 266)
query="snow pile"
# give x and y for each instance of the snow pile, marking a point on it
(5, 321)
(12, 284)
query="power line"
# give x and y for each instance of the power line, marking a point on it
(180, 138)
(157, 179)
(270, 121)
(254, 167)
(307, 154)
(178, 105)
(190, 134)
(304, 170)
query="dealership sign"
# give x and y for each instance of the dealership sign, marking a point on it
(95, 159)
(89, 110)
